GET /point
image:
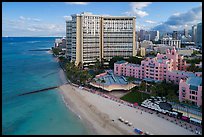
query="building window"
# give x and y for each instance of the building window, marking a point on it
(183, 96)
(183, 90)
(193, 92)
(194, 103)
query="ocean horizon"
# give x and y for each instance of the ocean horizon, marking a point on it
(42, 113)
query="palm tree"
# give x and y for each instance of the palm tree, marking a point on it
(80, 65)
(142, 86)
(153, 90)
(130, 79)
(97, 64)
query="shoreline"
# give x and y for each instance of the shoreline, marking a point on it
(100, 115)
(71, 106)
(81, 108)
(74, 110)
(97, 122)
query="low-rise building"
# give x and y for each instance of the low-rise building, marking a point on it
(185, 51)
(142, 51)
(60, 43)
(146, 44)
(158, 68)
(171, 42)
(175, 76)
(161, 48)
(191, 89)
(169, 67)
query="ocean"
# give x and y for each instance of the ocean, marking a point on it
(42, 113)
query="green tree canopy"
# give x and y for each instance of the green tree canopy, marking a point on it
(56, 51)
(134, 60)
(115, 59)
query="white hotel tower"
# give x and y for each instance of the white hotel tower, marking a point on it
(90, 37)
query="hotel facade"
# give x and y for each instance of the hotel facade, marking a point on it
(191, 89)
(90, 37)
(159, 68)
(170, 67)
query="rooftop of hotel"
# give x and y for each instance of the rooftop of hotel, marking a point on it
(121, 62)
(189, 74)
(194, 81)
(133, 65)
(159, 60)
(151, 80)
(110, 79)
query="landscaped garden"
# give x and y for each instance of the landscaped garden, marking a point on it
(135, 97)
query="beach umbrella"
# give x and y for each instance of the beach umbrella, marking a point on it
(147, 133)
(130, 124)
(135, 104)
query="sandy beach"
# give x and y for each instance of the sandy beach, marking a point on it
(101, 115)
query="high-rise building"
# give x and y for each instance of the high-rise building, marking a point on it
(142, 35)
(186, 32)
(147, 37)
(69, 39)
(175, 35)
(194, 29)
(154, 35)
(199, 35)
(91, 37)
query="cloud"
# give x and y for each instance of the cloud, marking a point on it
(67, 17)
(77, 3)
(140, 5)
(150, 21)
(29, 27)
(22, 18)
(178, 21)
(142, 26)
(137, 9)
(105, 15)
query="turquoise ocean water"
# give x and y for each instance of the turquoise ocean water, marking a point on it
(24, 71)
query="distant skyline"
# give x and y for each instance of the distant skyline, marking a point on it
(48, 18)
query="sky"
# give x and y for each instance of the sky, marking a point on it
(49, 18)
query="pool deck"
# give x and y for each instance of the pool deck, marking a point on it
(112, 82)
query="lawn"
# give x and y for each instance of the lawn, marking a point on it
(135, 96)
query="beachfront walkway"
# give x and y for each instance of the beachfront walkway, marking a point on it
(178, 122)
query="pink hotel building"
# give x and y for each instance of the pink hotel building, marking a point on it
(170, 67)
(191, 89)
